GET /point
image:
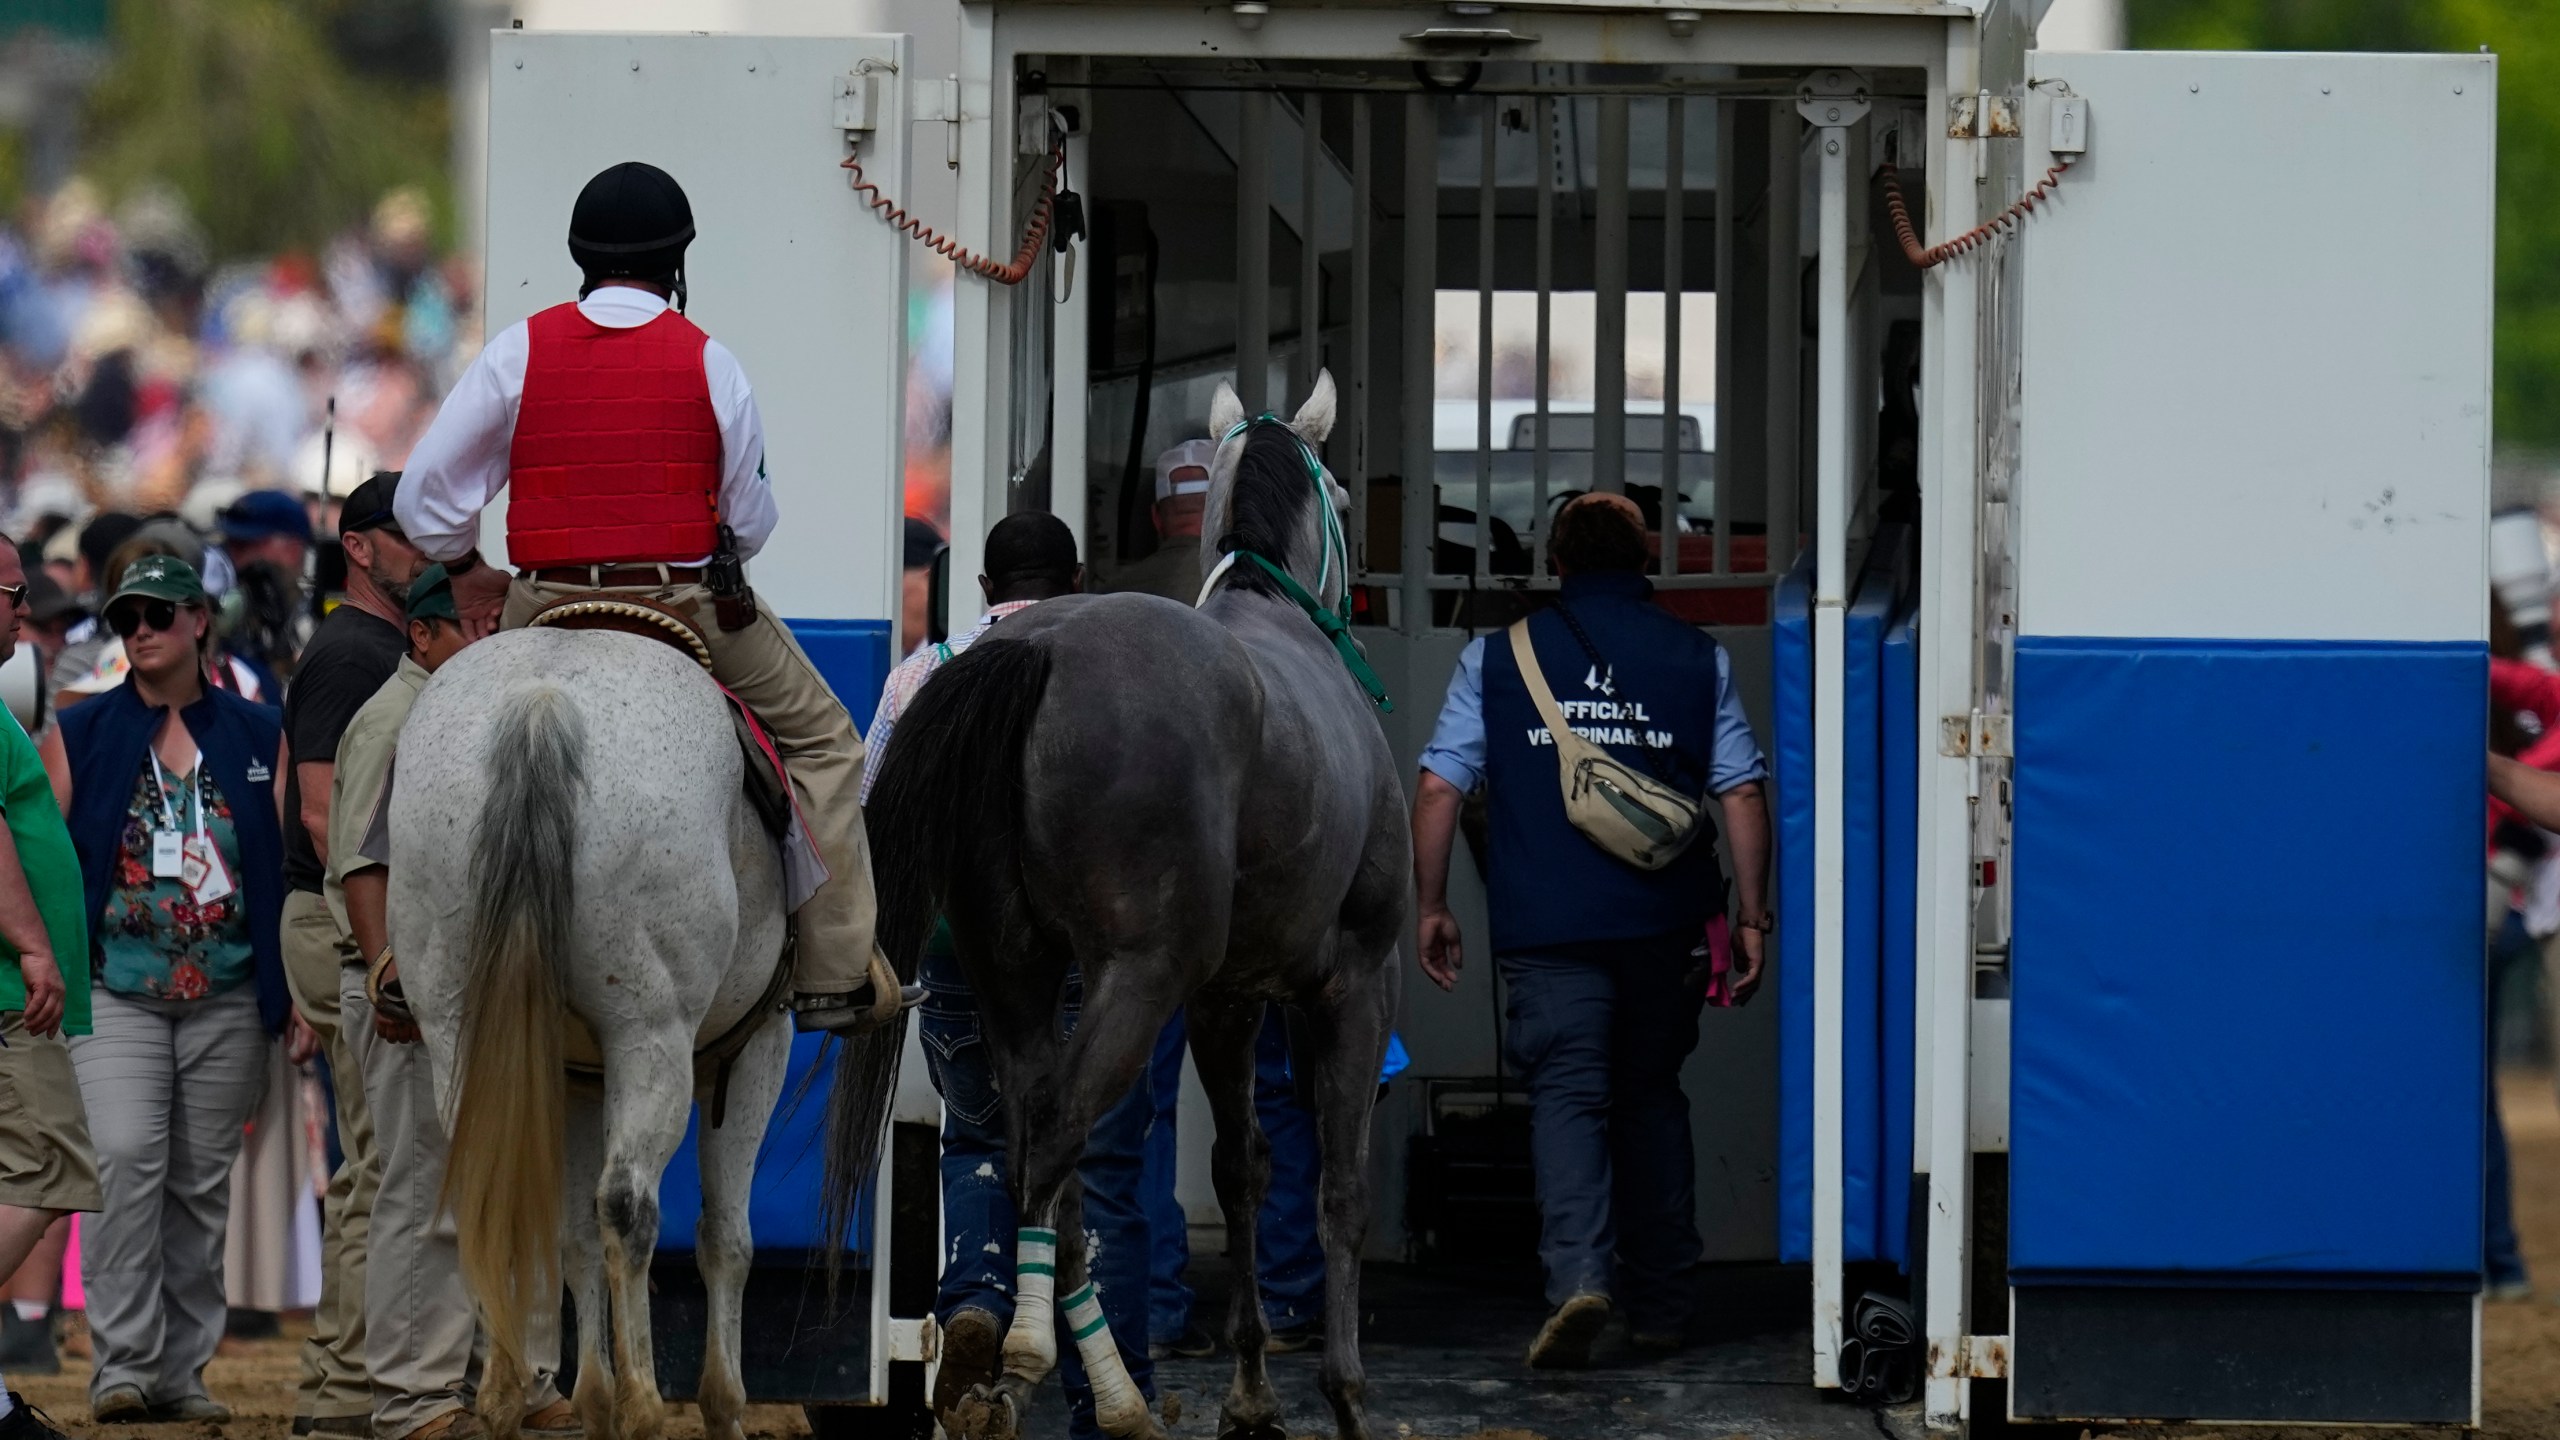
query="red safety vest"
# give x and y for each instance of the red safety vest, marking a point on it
(617, 451)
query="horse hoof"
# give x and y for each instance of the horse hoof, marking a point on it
(1231, 1428)
(987, 1412)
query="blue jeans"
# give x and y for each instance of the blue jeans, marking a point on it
(1600, 1034)
(1288, 1249)
(977, 1207)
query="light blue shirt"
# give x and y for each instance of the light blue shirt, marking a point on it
(1457, 749)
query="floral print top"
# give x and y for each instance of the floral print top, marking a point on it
(156, 941)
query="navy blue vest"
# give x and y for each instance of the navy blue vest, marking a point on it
(107, 740)
(1550, 886)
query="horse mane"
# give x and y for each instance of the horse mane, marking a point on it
(1266, 504)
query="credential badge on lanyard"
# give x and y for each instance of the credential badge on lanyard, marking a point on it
(192, 860)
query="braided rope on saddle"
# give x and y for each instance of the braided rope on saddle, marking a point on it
(629, 614)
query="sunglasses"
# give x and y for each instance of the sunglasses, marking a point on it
(14, 594)
(157, 614)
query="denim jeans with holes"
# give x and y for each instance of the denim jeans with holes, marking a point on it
(977, 1206)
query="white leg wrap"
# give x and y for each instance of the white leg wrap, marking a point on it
(1031, 1345)
(1117, 1406)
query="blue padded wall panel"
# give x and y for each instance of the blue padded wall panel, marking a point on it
(853, 655)
(2248, 989)
(1791, 661)
(1900, 901)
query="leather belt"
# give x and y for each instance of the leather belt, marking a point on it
(616, 577)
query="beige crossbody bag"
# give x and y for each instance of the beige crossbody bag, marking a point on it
(1625, 812)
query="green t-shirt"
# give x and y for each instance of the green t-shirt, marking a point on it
(53, 876)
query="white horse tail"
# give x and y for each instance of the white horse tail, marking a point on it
(503, 1172)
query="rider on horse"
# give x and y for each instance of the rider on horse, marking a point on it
(636, 459)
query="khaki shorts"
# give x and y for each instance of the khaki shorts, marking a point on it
(45, 1159)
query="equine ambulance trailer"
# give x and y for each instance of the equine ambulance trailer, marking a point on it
(2104, 556)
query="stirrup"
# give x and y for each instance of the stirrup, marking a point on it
(883, 1000)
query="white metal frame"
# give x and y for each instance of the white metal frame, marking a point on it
(1944, 41)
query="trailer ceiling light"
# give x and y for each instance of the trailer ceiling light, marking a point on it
(1249, 13)
(1683, 23)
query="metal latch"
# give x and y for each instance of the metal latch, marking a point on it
(857, 103)
(1986, 1357)
(1977, 736)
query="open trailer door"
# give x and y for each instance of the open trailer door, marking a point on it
(794, 274)
(2247, 1071)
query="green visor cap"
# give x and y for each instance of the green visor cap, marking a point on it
(161, 577)
(431, 596)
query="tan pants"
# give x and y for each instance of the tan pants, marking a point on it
(766, 668)
(422, 1340)
(335, 1383)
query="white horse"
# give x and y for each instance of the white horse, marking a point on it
(569, 838)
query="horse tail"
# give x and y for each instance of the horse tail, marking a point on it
(947, 805)
(503, 1167)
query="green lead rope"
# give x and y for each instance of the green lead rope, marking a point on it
(1336, 628)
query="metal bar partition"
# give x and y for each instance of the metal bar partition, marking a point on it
(1609, 330)
(1253, 252)
(1310, 356)
(1421, 267)
(1675, 190)
(1356, 410)
(1485, 201)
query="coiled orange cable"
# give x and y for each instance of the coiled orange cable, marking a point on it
(976, 264)
(1972, 239)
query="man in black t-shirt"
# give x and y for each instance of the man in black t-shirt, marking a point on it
(353, 652)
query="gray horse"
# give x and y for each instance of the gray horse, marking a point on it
(1192, 806)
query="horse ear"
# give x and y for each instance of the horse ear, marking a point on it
(1315, 418)
(1225, 412)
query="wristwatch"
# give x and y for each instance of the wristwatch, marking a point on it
(469, 561)
(1765, 924)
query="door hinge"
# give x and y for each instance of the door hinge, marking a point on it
(1982, 116)
(1986, 1357)
(1975, 735)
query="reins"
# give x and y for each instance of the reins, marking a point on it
(1334, 621)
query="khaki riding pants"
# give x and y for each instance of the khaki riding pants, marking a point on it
(766, 668)
(335, 1383)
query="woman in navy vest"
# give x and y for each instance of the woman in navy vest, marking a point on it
(172, 802)
(1604, 995)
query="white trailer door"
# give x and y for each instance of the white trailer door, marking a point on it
(790, 269)
(2251, 508)
(795, 275)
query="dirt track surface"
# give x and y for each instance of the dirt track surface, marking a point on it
(2522, 1379)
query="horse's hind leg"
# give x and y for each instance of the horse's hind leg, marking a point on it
(1346, 1045)
(648, 1088)
(582, 1253)
(723, 1245)
(1112, 1043)
(1222, 1039)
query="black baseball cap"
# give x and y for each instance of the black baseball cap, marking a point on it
(368, 506)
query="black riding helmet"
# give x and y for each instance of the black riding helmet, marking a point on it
(632, 222)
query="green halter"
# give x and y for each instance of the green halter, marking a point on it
(1335, 622)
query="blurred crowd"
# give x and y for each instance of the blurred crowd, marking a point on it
(139, 378)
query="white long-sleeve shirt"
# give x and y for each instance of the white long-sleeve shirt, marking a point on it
(460, 464)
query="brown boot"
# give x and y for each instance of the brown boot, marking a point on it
(555, 1421)
(972, 1346)
(1564, 1342)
